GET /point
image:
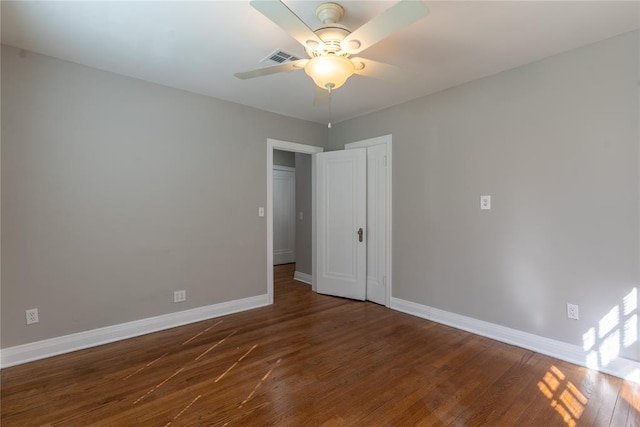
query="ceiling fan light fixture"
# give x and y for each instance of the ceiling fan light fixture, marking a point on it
(329, 72)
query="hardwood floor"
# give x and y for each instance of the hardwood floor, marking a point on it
(313, 360)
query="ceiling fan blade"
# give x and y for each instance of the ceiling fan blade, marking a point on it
(380, 70)
(284, 17)
(322, 97)
(398, 16)
(287, 66)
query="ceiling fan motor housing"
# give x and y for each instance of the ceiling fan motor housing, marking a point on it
(332, 37)
(330, 32)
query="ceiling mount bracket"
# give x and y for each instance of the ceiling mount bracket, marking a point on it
(329, 13)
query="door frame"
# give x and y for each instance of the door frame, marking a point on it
(275, 144)
(388, 142)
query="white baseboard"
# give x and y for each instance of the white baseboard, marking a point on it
(52, 347)
(303, 277)
(620, 367)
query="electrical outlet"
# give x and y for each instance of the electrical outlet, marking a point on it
(572, 311)
(179, 296)
(485, 203)
(32, 316)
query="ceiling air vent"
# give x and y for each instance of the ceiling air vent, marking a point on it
(278, 57)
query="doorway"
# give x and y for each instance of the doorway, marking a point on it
(272, 145)
(379, 256)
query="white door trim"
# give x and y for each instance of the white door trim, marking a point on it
(274, 144)
(387, 141)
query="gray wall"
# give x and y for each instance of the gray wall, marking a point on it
(116, 192)
(284, 158)
(556, 145)
(303, 204)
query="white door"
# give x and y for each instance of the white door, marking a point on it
(341, 195)
(378, 217)
(284, 225)
(376, 223)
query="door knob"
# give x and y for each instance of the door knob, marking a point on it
(360, 232)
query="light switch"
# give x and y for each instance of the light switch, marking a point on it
(485, 203)
(260, 211)
(301, 216)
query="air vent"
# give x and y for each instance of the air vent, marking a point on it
(278, 57)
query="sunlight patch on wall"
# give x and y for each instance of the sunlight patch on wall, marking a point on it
(630, 331)
(610, 348)
(609, 322)
(616, 330)
(630, 310)
(564, 396)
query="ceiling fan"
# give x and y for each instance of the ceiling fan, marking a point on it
(330, 46)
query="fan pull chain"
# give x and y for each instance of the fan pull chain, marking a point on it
(330, 96)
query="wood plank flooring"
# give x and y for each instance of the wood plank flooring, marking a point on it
(313, 360)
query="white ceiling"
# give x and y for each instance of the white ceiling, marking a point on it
(197, 46)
